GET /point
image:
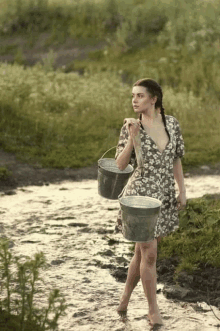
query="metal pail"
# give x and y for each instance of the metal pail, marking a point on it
(139, 217)
(111, 180)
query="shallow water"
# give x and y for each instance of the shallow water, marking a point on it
(74, 226)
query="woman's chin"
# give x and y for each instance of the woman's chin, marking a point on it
(136, 110)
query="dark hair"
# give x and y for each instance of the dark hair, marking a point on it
(155, 90)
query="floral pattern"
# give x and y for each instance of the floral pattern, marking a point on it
(158, 179)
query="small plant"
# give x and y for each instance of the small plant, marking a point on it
(4, 173)
(19, 57)
(49, 61)
(20, 291)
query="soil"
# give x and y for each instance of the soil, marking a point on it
(24, 174)
(63, 53)
(202, 285)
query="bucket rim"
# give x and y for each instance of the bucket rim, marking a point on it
(129, 169)
(159, 203)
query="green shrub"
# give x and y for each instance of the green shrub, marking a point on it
(20, 280)
(130, 24)
(4, 173)
(197, 240)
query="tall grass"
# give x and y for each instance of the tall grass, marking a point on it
(68, 120)
(131, 22)
(84, 18)
(62, 120)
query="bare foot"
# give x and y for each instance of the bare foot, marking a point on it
(155, 319)
(123, 305)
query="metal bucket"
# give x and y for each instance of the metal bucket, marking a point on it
(111, 180)
(139, 217)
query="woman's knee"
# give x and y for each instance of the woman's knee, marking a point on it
(137, 251)
(149, 252)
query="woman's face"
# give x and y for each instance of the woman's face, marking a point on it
(141, 100)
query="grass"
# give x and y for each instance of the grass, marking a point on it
(66, 120)
(197, 241)
(61, 119)
(51, 116)
(130, 22)
(78, 18)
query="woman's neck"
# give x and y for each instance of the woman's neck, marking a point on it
(151, 117)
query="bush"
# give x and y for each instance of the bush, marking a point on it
(20, 292)
(4, 173)
(196, 242)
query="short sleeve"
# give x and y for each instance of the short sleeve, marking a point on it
(123, 139)
(180, 151)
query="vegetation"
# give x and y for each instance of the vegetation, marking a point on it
(69, 117)
(196, 243)
(63, 119)
(20, 290)
(68, 120)
(4, 173)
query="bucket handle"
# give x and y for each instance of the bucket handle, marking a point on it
(120, 195)
(107, 152)
(141, 167)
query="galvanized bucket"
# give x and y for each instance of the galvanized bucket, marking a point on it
(139, 217)
(111, 180)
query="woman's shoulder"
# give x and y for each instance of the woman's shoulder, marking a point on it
(171, 119)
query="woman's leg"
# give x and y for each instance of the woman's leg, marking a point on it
(133, 278)
(149, 279)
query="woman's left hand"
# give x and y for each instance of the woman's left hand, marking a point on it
(181, 200)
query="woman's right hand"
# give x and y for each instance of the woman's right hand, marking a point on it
(133, 126)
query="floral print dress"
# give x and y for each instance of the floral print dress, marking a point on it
(157, 180)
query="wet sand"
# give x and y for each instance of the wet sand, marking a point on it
(74, 227)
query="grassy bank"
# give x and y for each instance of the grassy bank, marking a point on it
(67, 120)
(62, 119)
(196, 243)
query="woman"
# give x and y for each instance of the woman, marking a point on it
(162, 147)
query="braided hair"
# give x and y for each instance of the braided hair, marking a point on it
(155, 90)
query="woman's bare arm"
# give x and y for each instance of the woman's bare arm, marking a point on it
(133, 127)
(178, 175)
(124, 157)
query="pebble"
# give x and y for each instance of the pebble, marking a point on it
(176, 292)
(10, 192)
(77, 224)
(57, 262)
(205, 168)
